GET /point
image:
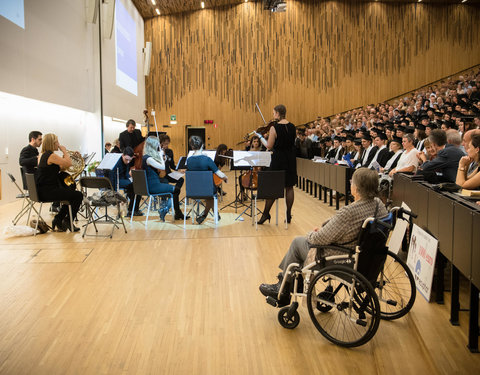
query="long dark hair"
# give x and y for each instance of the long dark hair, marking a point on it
(219, 161)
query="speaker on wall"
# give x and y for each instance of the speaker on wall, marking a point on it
(108, 17)
(91, 7)
(147, 57)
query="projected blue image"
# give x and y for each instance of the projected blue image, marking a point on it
(13, 10)
(126, 49)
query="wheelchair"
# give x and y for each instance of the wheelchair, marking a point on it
(348, 294)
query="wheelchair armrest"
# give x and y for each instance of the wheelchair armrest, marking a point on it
(332, 247)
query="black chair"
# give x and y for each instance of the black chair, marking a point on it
(34, 197)
(271, 185)
(199, 185)
(27, 204)
(100, 183)
(140, 187)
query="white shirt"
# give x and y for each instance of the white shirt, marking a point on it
(408, 159)
(337, 154)
(420, 145)
(367, 152)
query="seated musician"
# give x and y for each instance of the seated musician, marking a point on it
(50, 186)
(220, 162)
(464, 179)
(342, 229)
(255, 145)
(169, 166)
(29, 154)
(200, 162)
(124, 181)
(153, 163)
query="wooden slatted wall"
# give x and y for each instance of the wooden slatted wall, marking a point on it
(318, 58)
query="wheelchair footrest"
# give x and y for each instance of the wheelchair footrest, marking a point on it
(272, 301)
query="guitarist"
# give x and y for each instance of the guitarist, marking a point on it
(220, 162)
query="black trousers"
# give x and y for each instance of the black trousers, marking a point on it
(55, 193)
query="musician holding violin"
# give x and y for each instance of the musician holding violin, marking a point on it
(281, 140)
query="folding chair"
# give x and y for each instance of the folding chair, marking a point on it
(33, 196)
(199, 185)
(140, 187)
(271, 185)
(100, 183)
(27, 204)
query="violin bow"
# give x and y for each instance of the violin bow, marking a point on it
(263, 118)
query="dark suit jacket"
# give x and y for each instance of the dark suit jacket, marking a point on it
(133, 140)
(371, 155)
(384, 156)
(29, 158)
(445, 165)
(170, 162)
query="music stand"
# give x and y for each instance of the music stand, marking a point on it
(237, 202)
(251, 159)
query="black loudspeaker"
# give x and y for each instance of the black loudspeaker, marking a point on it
(198, 131)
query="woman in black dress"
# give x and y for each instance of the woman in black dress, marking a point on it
(281, 140)
(50, 186)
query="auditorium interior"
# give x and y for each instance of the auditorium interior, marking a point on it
(149, 290)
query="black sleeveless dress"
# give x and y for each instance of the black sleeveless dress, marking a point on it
(284, 156)
(47, 175)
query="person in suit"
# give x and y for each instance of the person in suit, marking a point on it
(370, 150)
(303, 145)
(130, 137)
(29, 154)
(343, 228)
(444, 167)
(383, 154)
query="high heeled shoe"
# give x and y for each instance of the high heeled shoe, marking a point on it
(289, 218)
(264, 218)
(67, 226)
(58, 224)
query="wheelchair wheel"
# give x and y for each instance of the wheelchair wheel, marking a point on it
(354, 313)
(288, 316)
(395, 288)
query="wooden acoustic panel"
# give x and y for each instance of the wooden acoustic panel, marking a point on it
(317, 58)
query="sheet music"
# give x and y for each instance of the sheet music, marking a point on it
(109, 161)
(176, 175)
(252, 158)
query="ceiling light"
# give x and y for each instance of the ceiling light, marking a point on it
(158, 11)
(202, 4)
(464, 1)
(153, 2)
(419, 1)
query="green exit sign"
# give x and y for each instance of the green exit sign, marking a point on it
(173, 119)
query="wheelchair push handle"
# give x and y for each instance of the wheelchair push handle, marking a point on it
(400, 211)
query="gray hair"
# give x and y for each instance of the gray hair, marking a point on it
(410, 137)
(195, 142)
(366, 182)
(454, 137)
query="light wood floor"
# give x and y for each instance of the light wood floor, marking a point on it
(166, 301)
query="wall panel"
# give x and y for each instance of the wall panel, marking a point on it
(318, 58)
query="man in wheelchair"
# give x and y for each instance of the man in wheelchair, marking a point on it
(341, 230)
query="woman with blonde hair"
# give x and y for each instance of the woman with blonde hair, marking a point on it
(153, 163)
(50, 186)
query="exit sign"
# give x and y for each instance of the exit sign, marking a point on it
(208, 121)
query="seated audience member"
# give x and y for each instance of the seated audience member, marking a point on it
(341, 229)
(108, 147)
(454, 138)
(29, 154)
(303, 145)
(124, 181)
(50, 186)
(467, 137)
(470, 180)
(444, 167)
(396, 151)
(383, 154)
(153, 163)
(200, 162)
(358, 151)
(408, 162)
(116, 148)
(369, 152)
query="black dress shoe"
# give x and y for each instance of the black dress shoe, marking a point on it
(58, 224)
(180, 217)
(270, 290)
(200, 219)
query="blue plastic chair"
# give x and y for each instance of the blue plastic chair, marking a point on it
(140, 187)
(199, 185)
